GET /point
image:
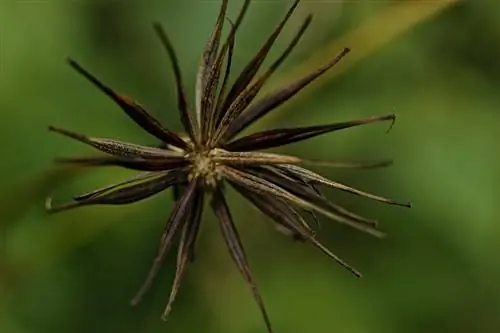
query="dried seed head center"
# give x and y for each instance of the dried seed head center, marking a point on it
(204, 166)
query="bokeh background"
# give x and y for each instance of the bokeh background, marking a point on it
(436, 63)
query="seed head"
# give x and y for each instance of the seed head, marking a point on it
(212, 153)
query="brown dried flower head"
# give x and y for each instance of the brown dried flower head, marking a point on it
(211, 154)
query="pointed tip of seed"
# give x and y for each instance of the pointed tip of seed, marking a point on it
(339, 56)
(308, 19)
(385, 163)
(356, 273)
(64, 160)
(72, 62)
(372, 230)
(166, 314)
(406, 204)
(94, 80)
(76, 66)
(339, 260)
(295, 4)
(158, 27)
(62, 131)
(134, 301)
(392, 118)
(50, 208)
(48, 204)
(67, 133)
(342, 54)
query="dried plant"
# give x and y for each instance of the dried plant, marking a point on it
(211, 154)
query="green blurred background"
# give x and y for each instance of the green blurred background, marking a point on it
(437, 63)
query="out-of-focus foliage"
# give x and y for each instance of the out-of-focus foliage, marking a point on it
(437, 272)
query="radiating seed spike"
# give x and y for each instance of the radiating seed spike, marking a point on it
(280, 215)
(119, 148)
(171, 229)
(229, 44)
(139, 177)
(206, 73)
(246, 94)
(337, 258)
(179, 271)
(253, 66)
(128, 163)
(268, 103)
(222, 91)
(311, 176)
(136, 112)
(349, 165)
(308, 193)
(182, 102)
(283, 136)
(236, 250)
(261, 185)
(249, 158)
(196, 226)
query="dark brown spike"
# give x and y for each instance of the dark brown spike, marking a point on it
(135, 111)
(139, 177)
(300, 180)
(129, 163)
(254, 65)
(283, 136)
(307, 192)
(185, 251)
(120, 195)
(263, 186)
(132, 192)
(236, 250)
(182, 101)
(249, 93)
(222, 91)
(208, 74)
(199, 202)
(179, 270)
(277, 210)
(174, 224)
(291, 221)
(335, 257)
(314, 178)
(118, 148)
(214, 75)
(261, 107)
(229, 46)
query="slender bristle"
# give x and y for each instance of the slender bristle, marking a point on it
(349, 165)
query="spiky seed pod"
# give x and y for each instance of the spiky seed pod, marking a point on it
(198, 165)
